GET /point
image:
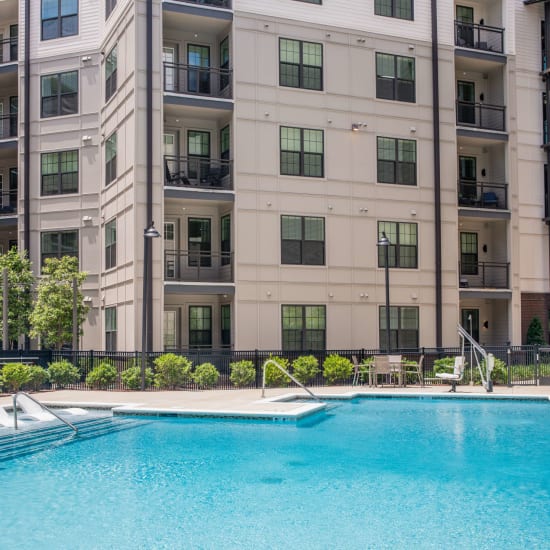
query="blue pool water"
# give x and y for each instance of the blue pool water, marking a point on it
(380, 473)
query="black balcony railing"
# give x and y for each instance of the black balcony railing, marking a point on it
(481, 194)
(8, 126)
(198, 171)
(194, 80)
(213, 3)
(479, 37)
(480, 115)
(8, 50)
(8, 203)
(484, 275)
(198, 266)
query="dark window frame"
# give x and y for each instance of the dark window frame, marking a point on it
(317, 2)
(111, 62)
(225, 325)
(399, 167)
(302, 67)
(59, 252)
(393, 88)
(469, 260)
(110, 5)
(400, 337)
(62, 99)
(301, 155)
(62, 186)
(297, 338)
(394, 8)
(111, 150)
(302, 251)
(59, 21)
(225, 239)
(111, 244)
(111, 328)
(200, 337)
(398, 253)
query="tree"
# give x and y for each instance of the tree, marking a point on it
(535, 334)
(20, 281)
(52, 316)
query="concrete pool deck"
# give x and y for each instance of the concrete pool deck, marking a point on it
(249, 403)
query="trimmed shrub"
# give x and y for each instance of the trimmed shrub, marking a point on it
(445, 364)
(102, 376)
(15, 376)
(206, 375)
(62, 373)
(337, 368)
(242, 374)
(131, 377)
(274, 377)
(37, 377)
(305, 368)
(499, 374)
(535, 333)
(172, 370)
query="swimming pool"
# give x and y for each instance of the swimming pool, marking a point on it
(372, 473)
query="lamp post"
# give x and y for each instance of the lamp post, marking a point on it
(148, 234)
(385, 243)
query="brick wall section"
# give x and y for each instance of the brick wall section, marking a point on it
(534, 305)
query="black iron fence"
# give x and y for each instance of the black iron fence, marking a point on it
(484, 274)
(479, 37)
(214, 3)
(198, 266)
(482, 194)
(8, 50)
(207, 173)
(515, 365)
(481, 115)
(196, 80)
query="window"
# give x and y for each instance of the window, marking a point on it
(224, 63)
(226, 325)
(110, 74)
(59, 18)
(199, 242)
(170, 329)
(56, 244)
(403, 327)
(396, 161)
(300, 64)
(110, 5)
(402, 9)
(403, 249)
(304, 328)
(225, 150)
(546, 193)
(110, 244)
(110, 329)
(59, 94)
(302, 240)
(110, 159)
(319, 2)
(302, 152)
(59, 172)
(469, 319)
(226, 240)
(200, 326)
(468, 254)
(395, 77)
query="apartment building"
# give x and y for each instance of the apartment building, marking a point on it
(273, 143)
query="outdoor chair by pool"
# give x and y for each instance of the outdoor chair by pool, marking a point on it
(32, 410)
(5, 419)
(359, 369)
(381, 366)
(414, 368)
(456, 376)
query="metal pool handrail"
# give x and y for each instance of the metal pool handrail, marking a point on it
(283, 370)
(47, 409)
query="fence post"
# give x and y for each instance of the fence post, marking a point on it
(537, 359)
(509, 365)
(256, 359)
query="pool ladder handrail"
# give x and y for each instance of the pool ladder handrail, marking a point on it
(47, 409)
(283, 370)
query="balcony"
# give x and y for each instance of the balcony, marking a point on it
(8, 51)
(481, 194)
(8, 204)
(8, 126)
(479, 37)
(481, 115)
(194, 266)
(226, 4)
(205, 173)
(484, 275)
(198, 81)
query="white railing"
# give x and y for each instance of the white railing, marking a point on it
(488, 359)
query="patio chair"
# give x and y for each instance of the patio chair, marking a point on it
(490, 199)
(5, 419)
(358, 370)
(32, 410)
(382, 366)
(174, 178)
(416, 369)
(456, 376)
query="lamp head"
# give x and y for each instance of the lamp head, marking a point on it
(383, 240)
(151, 232)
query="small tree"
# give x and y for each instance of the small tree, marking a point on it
(535, 334)
(20, 281)
(52, 317)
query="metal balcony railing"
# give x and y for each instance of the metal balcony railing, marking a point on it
(8, 203)
(198, 266)
(480, 115)
(194, 80)
(8, 126)
(484, 274)
(8, 50)
(479, 37)
(213, 3)
(481, 194)
(199, 172)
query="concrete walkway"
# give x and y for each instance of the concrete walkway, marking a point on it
(250, 402)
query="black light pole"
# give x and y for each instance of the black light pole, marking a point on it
(148, 234)
(385, 242)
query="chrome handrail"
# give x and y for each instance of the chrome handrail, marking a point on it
(284, 371)
(47, 409)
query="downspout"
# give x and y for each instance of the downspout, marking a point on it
(27, 131)
(149, 167)
(437, 178)
(547, 107)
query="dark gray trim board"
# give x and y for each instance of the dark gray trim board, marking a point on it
(484, 213)
(186, 193)
(9, 68)
(6, 221)
(191, 101)
(10, 143)
(204, 11)
(192, 288)
(484, 134)
(483, 55)
(486, 294)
